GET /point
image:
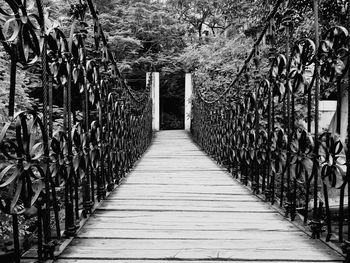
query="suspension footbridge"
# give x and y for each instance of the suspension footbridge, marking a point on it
(178, 204)
(245, 182)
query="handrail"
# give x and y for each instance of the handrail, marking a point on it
(256, 134)
(248, 59)
(75, 165)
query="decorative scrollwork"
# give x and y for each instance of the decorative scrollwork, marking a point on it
(279, 74)
(265, 145)
(58, 56)
(262, 145)
(301, 148)
(334, 54)
(100, 148)
(332, 160)
(80, 150)
(19, 35)
(302, 66)
(21, 178)
(59, 157)
(262, 94)
(279, 151)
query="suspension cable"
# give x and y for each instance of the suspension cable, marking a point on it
(247, 60)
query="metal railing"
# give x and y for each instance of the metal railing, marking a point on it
(55, 176)
(268, 149)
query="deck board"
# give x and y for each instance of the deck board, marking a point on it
(178, 205)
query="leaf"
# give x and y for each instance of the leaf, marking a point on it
(37, 151)
(37, 187)
(14, 175)
(5, 170)
(16, 196)
(339, 66)
(308, 164)
(75, 74)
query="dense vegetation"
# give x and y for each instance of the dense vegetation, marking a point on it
(173, 37)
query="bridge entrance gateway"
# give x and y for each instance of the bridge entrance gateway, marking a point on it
(156, 109)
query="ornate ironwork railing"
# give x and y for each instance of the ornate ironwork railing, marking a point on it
(282, 160)
(57, 175)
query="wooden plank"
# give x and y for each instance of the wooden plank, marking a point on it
(192, 247)
(181, 189)
(236, 226)
(178, 205)
(235, 198)
(181, 233)
(198, 254)
(181, 205)
(178, 196)
(186, 216)
(162, 261)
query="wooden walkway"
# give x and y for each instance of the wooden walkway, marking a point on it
(178, 205)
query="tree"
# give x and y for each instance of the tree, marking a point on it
(144, 35)
(217, 16)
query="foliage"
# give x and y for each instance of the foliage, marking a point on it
(144, 35)
(23, 159)
(214, 67)
(215, 17)
(216, 64)
(22, 99)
